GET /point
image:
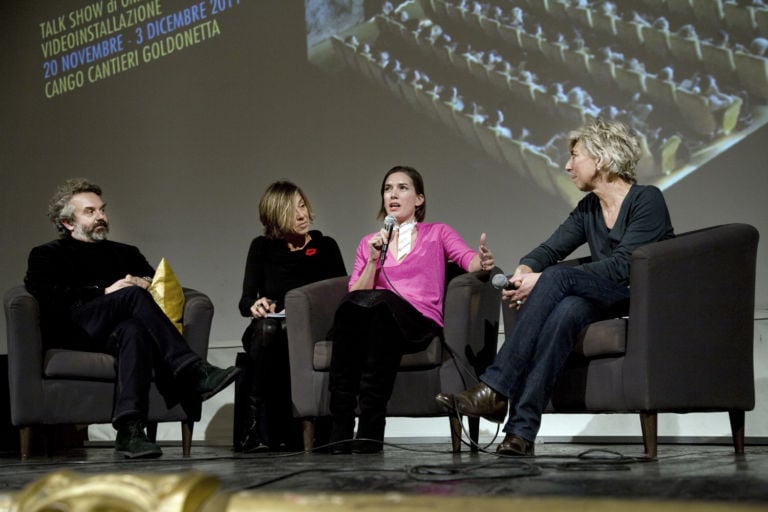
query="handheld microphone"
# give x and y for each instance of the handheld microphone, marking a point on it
(389, 225)
(500, 282)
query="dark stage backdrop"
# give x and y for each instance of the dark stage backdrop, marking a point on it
(184, 111)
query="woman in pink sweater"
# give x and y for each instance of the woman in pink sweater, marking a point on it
(394, 307)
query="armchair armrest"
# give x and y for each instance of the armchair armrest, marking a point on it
(25, 350)
(309, 310)
(691, 318)
(309, 313)
(471, 318)
(197, 319)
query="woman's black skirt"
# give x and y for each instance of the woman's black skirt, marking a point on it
(417, 330)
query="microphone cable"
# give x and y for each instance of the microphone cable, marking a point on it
(392, 287)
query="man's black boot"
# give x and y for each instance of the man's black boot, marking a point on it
(132, 441)
(209, 380)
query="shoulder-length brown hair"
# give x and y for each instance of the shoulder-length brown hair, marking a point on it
(277, 206)
(418, 185)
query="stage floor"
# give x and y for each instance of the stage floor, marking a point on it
(709, 475)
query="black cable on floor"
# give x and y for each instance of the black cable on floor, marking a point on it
(298, 472)
(499, 468)
(516, 467)
(491, 470)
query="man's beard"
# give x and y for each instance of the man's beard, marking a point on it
(96, 233)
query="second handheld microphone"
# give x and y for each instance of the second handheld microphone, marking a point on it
(500, 282)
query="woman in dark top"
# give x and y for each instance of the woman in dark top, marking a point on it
(614, 218)
(287, 256)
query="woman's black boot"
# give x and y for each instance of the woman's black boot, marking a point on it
(370, 432)
(342, 431)
(376, 383)
(255, 438)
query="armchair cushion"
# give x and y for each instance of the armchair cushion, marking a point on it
(605, 338)
(74, 364)
(601, 339)
(430, 357)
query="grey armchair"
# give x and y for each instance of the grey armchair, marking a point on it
(686, 345)
(57, 387)
(471, 316)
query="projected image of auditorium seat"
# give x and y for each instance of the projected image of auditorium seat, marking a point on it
(690, 82)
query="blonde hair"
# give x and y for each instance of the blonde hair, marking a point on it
(614, 143)
(277, 207)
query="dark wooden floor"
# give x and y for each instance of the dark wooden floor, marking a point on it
(709, 473)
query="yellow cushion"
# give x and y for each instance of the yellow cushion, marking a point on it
(166, 290)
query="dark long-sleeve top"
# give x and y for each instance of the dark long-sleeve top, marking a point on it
(643, 218)
(272, 269)
(66, 273)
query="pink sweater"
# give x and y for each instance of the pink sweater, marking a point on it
(420, 277)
